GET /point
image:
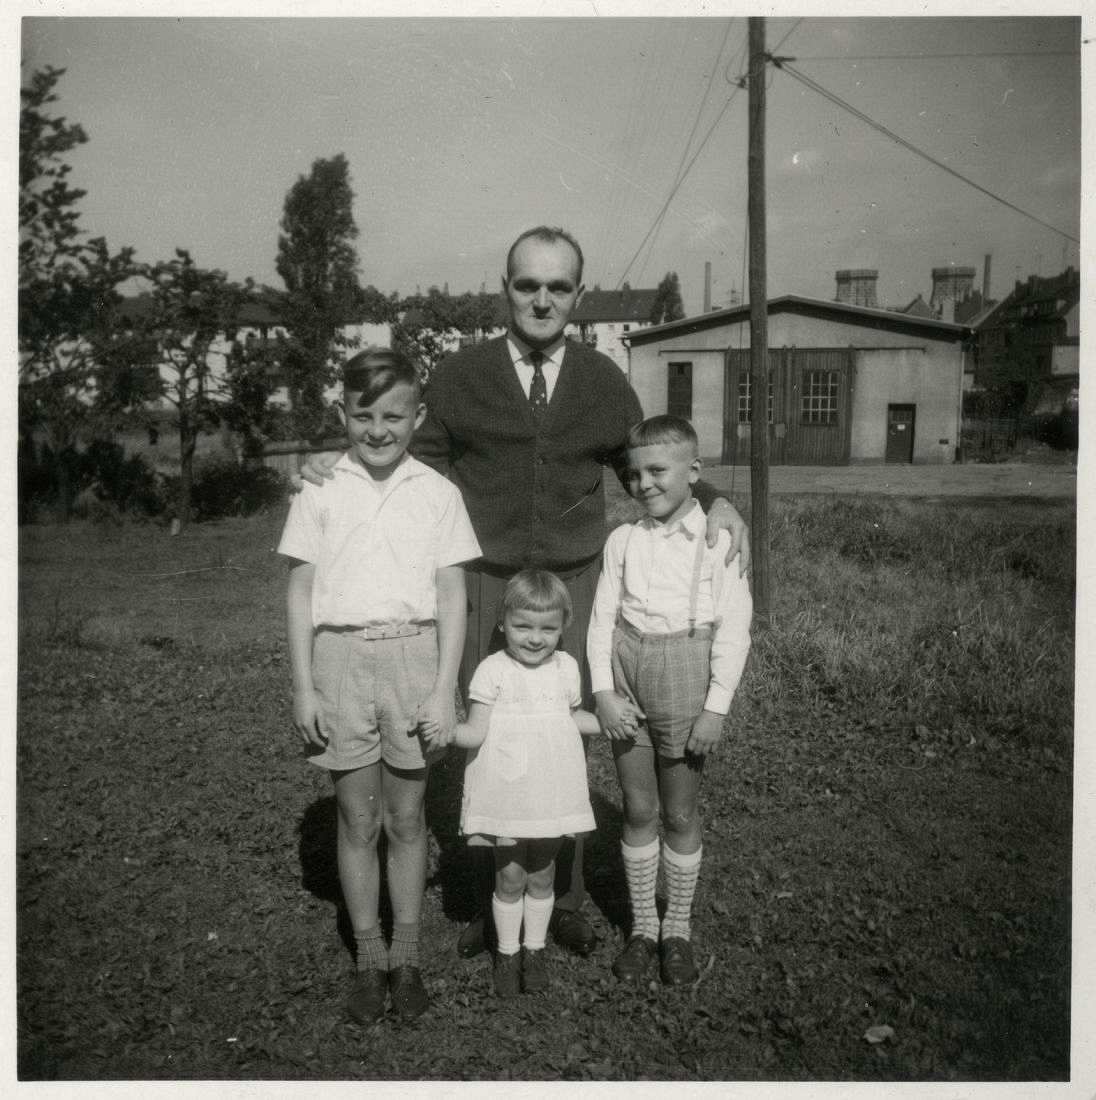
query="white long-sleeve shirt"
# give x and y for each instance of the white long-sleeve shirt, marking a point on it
(651, 591)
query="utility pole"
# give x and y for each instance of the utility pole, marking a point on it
(759, 326)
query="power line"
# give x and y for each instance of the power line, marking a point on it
(681, 177)
(922, 56)
(856, 113)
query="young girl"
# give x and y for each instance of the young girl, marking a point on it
(525, 785)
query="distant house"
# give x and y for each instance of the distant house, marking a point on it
(603, 318)
(1038, 326)
(848, 383)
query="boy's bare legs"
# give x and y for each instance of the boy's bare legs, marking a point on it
(358, 798)
(678, 790)
(358, 801)
(403, 794)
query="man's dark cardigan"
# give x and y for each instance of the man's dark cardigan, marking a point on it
(535, 496)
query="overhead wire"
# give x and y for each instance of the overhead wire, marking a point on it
(814, 86)
(681, 164)
(948, 56)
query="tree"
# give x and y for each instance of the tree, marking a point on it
(182, 341)
(318, 264)
(67, 288)
(425, 321)
(668, 305)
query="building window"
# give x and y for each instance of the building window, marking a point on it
(745, 405)
(679, 392)
(820, 397)
(627, 328)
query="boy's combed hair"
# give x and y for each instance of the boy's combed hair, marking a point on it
(375, 371)
(658, 430)
(536, 590)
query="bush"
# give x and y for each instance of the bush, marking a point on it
(129, 485)
(222, 489)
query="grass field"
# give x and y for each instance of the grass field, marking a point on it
(888, 828)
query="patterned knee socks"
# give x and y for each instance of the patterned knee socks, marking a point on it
(405, 946)
(641, 871)
(680, 873)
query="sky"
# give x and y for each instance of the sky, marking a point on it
(460, 133)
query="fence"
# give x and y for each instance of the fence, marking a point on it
(994, 439)
(288, 457)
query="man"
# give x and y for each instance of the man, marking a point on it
(524, 425)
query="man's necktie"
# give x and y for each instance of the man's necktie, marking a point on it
(538, 388)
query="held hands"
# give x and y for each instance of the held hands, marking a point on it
(706, 733)
(308, 718)
(723, 516)
(436, 719)
(619, 717)
(317, 470)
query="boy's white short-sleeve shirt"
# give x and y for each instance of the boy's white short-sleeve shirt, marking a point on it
(376, 545)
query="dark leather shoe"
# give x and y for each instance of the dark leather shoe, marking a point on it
(409, 996)
(368, 991)
(632, 964)
(507, 974)
(677, 966)
(473, 940)
(534, 970)
(573, 931)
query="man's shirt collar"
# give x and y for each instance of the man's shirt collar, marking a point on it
(519, 350)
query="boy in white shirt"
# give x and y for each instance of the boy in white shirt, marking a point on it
(667, 644)
(376, 620)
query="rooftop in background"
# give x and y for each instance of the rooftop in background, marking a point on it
(626, 304)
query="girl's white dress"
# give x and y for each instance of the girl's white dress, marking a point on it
(528, 778)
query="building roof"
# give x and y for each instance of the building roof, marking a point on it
(812, 307)
(626, 304)
(917, 308)
(1060, 292)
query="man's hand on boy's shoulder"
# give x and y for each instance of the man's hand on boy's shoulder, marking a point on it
(316, 470)
(706, 733)
(723, 516)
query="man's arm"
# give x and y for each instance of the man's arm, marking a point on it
(307, 716)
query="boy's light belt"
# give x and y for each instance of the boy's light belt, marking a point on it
(379, 633)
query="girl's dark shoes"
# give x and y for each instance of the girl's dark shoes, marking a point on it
(507, 974)
(676, 961)
(573, 931)
(409, 996)
(368, 992)
(534, 971)
(632, 964)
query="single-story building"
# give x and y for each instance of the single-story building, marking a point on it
(847, 383)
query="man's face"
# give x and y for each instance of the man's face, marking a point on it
(542, 290)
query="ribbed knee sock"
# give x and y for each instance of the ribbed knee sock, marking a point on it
(640, 872)
(507, 916)
(680, 873)
(405, 946)
(371, 952)
(537, 912)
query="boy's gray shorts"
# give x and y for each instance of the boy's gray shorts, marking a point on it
(668, 676)
(369, 693)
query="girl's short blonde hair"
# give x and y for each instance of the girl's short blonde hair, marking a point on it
(536, 590)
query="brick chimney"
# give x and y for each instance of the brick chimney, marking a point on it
(856, 287)
(950, 284)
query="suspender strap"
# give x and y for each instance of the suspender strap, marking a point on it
(694, 589)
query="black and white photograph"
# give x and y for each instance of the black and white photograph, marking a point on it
(432, 662)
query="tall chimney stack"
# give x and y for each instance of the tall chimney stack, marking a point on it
(856, 287)
(985, 277)
(707, 286)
